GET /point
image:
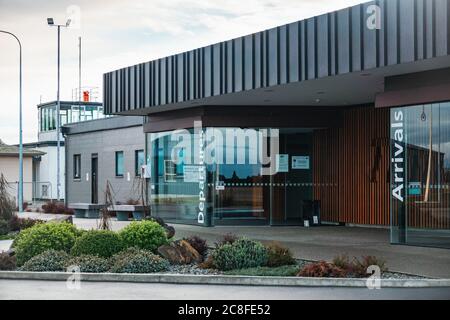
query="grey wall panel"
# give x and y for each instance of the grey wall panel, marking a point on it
(273, 57)
(442, 31)
(248, 71)
(392, 31)
(331, 44)
(258, 55)
(323, 46)
(229, 70)
(407, 36)
(238, 64)
(208, 80)
(216, 74)
(283, 41)
(311, 52)
(369, 40)
(419, 29)
(293, 52)
(357, 38)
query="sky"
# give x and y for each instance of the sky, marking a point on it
(116, 34)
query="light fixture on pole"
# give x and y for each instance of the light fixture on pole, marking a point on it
(20, 188)
(51, 23)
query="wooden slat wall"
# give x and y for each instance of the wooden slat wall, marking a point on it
(351, 168)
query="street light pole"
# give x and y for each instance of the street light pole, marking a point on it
(58, 141)
(58, 110)
(20, 195)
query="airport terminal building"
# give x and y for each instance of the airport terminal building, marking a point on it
(348, 111)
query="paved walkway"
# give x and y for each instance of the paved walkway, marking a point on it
(321, 243)
(5, 244)
(49, 290)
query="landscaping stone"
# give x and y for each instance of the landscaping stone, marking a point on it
(11, 252)
(170, 231)
(180, 252)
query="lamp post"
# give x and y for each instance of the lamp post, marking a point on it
(51, 23)
(20, 195)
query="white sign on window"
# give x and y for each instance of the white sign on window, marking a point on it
(282, 162)
(191, 173)
(300, 163)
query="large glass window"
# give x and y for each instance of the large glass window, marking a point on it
(420, 175)
(119, 164)
(231, 175)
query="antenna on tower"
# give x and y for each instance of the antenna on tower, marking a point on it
(79, 69)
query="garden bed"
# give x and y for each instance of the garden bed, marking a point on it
(146, 247)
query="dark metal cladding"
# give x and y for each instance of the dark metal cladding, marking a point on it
(331, 44)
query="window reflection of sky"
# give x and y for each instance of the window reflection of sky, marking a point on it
(418, 130)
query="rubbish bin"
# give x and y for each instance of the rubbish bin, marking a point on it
(311, 213)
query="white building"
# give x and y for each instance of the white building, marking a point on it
(9, 167)
(45, 169)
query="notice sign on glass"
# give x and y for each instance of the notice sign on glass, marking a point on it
(300, 162)
(191, 173)
(282, 163)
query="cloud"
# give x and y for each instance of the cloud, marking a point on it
(116, 34)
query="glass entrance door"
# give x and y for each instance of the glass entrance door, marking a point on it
(292, 184)
(241, 192)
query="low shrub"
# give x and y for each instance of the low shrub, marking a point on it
(198, 244)
(283, 271)
(16, 223)
(240, 254)
(145, 234)
(208, 263)
(42, 237)
(50, 260)
(343, 262)
(56, 208)
(135, 260)
(360, 267)
(89, 263)
(7, 262)
(158, 220)
(278, 255)
(4, 228)
(228, 238)
(102, 243)
(322, 269)
(133, 202)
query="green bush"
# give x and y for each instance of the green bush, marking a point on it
(50, 260)
(278, 255)
(241, 254)
(42, 237)
(4, 228)
(145, 234)
(89, 263)
(283, 271)
(135, 260)
(102, 243)
(7, 262)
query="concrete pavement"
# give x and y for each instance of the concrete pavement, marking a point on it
(49, 290)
